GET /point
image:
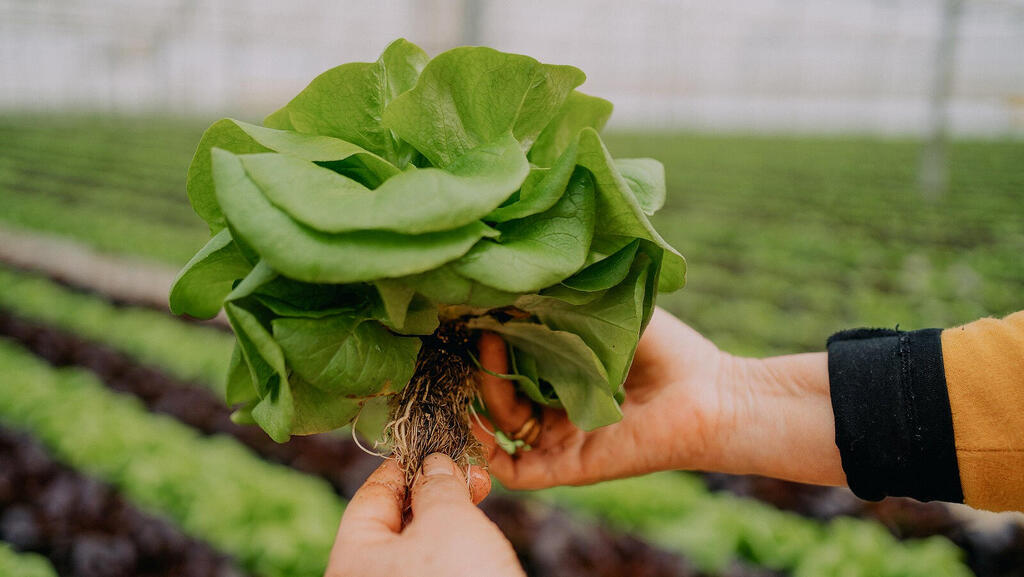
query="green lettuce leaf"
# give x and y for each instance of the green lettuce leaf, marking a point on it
(287, 297)
(373, 417)
(243, 138)
(610, 325)
(539, 250)
(646, 178)
(540, 191)
(570, 295)
(348, 102)
(395, 299)
(412, 202)
(318, 411)
(579, 111)
(347, 355)
(239, 386)
(445, 285)
(260, 275)
(403, 311)
(275, 408)
(618, 211)
(200, 287)
(604, 272)
(312, 256)
(422, 318)
(564, 360)
(470, 96)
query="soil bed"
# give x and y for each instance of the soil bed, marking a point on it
(84, 527)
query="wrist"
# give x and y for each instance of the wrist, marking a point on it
(776, 419)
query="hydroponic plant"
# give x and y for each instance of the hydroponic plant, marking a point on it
(373, 226)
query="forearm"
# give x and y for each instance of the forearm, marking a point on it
(780, 423)
(895, 415)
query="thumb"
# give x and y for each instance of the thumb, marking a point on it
(440, 489)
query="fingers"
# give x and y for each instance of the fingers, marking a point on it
(483, 430)
(479, 484)
(493, 354)
(377, 505)
(508, 411)
(500, 464)
(440, 490)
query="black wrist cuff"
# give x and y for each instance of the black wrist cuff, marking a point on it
(894, 428)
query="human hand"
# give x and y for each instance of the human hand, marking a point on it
(688, 406)
(447, 535)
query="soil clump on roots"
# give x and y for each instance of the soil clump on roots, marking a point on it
(431, 414)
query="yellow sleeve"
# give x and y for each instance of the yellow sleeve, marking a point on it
(984, 364)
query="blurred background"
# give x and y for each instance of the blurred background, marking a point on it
(830, 164)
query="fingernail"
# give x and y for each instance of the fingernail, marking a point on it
(438, 464)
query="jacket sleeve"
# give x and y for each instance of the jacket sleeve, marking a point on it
(931, 414)
(984, 364)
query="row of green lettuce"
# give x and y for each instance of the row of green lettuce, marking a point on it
(19, 564)
(186, 351)
(78, 176)
(674, 510)
(101, 227)
(116, 184)
(122, 198)
(275, 521)
(677, 512)
(158, 144)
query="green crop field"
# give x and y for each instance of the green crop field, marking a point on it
(790, 239)
(787, 239)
